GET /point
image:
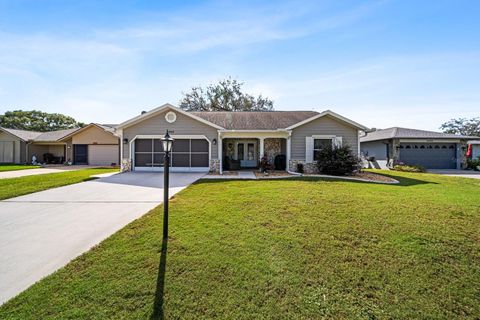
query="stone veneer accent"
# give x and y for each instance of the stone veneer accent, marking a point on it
(272, 147)
(126, 165)
(307, 167)
(214, 165)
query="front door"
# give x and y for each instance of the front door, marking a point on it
(80, 153)
(246, 154)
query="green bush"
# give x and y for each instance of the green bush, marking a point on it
(407, 168)
(473, 163)
(337, 161)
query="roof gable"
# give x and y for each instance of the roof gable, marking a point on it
(159, 110)
(331, 114)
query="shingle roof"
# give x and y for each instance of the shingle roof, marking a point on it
(50, 136)
(405, 133)
(22, 134)
(54, 135)
(258, 120)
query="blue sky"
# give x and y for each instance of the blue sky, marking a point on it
(381, 63)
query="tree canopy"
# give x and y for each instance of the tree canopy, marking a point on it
(463, 126)
(226, 95)
(37, 121)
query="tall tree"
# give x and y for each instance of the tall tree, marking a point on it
(226, 95)
(37, 121)
(463, 126)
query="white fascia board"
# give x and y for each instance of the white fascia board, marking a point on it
(429, 140)
(332, 114)
(156, 111)
(255, 134)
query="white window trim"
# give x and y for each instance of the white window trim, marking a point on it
(333, 138)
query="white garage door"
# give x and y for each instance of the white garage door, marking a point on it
(6, 151)
(102, 155)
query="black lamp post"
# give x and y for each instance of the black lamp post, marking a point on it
(167, 148)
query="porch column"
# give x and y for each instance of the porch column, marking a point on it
(262, 147)
(289, 148)
(220, 152)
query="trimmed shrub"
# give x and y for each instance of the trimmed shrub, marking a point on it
(337, 161)
(407, 168)
(473, 163)
(300, 168)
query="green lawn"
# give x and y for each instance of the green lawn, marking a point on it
(15, 167)
(15, 187)
(282, 249)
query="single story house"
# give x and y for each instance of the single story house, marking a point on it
(432, 150)
(217, 141)
(93, 144)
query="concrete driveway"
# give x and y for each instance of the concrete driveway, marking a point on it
(457, 173)
(43, 231)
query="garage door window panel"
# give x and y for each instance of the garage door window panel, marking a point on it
(158, 159)
(200, 146)
(143, 159)
(181, 160)
(143, 145)
(181, 145)
(157, 145)
(200, 160)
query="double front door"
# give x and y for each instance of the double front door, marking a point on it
(246, 153)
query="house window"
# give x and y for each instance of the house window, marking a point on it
(240, 151)
(250, 151)
(319, 144)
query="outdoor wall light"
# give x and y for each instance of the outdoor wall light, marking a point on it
(125, 141)
(214, 141)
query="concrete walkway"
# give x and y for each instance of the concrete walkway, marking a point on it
(240, 175)
(43, 231)
(457, 173)
(32, 172)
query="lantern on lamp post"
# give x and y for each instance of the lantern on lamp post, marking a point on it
(167, 143)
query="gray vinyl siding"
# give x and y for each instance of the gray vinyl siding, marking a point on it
(157, 125)
(377, 149)
(322, 126)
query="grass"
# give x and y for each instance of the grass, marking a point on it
(15, 167)
(282, 249)
(14, 187)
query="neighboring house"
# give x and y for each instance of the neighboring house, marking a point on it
(475, 148)
(214, 141)
(94, 144)
(432, 150)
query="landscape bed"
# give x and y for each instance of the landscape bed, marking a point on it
(282, 249)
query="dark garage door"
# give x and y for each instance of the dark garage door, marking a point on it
(187, 154)
(430, 156)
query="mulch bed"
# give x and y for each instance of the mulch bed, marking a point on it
(272, 174)
(225, 173)
(373, 177)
